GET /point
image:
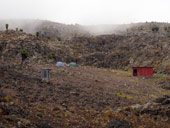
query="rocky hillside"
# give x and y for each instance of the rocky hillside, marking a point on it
(17, 47)
(85, 96)
(108, 51)
(123, 52)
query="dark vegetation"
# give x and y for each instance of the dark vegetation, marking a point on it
(6, 26)
(155, 29)
(24, 54)
(37, 34)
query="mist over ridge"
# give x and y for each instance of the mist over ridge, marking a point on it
(55, 29)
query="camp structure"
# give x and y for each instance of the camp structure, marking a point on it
(73, 64)
(142, 71)
(45, 74)
(59, 64)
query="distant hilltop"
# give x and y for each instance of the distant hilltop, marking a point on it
(59, 30)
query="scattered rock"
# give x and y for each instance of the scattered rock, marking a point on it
(12, 110)
(118, 123)
(2, 94)
(43, 125)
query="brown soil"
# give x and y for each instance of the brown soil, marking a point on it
(74, 96)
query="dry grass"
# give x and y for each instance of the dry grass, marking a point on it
(122, 95)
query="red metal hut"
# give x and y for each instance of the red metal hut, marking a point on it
(142, 71)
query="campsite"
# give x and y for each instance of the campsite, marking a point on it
(84, 64)
(53, 87)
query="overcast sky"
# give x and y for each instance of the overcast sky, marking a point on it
(87, 12)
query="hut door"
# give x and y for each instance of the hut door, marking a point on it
(135, 72)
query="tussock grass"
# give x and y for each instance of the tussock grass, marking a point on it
(122, 95)
(156, 78)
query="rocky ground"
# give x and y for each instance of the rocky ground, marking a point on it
(80, 97)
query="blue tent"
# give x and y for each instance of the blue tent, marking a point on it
(59, 64)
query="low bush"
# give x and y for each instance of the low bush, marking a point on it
(40, 115)
(155, 29)
(24, 54)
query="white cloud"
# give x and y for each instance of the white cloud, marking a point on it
(87, 11)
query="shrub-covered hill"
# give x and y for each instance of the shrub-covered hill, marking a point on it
(108, 51)
(62, 31)
(123, 52)
(46, 28)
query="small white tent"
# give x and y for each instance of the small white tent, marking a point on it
(59, 64)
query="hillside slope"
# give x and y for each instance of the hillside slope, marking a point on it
(46, 28)
(123, 52)
(108, 51)
(85, 96)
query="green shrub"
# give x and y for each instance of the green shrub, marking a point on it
(52, 56)
(59, 116)
(167, 29)
(6, 26)
(25, 52)
(21, 30)
(37, 34)
(40, 115)
(59, 38)
(155, 29)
